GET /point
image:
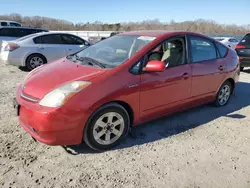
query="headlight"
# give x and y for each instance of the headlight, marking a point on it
(62, 94)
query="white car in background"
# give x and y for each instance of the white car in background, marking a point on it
(10, 23)
(228, 41)
(36, 49)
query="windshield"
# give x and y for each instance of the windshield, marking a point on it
(115, 50)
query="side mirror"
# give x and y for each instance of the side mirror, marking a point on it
(154, 66)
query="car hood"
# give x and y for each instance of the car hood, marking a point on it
(42, 80)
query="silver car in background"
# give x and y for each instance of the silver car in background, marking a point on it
(36, 49)
(228, 41)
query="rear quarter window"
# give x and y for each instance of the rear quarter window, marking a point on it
(38, 40)
(222, 50)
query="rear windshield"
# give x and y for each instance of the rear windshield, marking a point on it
(246, 40)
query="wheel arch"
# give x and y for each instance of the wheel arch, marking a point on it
(33, 53)
(125, 105)
(231, 80)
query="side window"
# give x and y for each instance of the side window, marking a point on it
(222, 49)
(70, 39)
(135, 69)
(202, 49)
(4, 24)
(8, 32)
(15, 24)
(38, 40)
(51, 39)
(172, 52)
(24, 32)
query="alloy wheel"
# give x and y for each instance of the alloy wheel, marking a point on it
(36, 62)
(108, 128)
(224, 95)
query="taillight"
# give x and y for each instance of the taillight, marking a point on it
(11, 47)
(238, 46)
(241, 58)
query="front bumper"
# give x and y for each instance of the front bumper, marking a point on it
(51, 126)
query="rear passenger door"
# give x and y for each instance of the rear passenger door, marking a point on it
(50, 46)
(208, 69)
(72, 43)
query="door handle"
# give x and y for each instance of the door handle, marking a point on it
(221, 67)
(185, 76)
(69, 49)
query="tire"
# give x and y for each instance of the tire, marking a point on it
(223, 94)
(107, 127)
(241, 68)
(35, 60)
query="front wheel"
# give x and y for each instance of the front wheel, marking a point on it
(107, 127)
(241, 68)
(35, 60)
(223, 94)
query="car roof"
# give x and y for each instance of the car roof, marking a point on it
(53, 33)
(156, 33)
(22, 27)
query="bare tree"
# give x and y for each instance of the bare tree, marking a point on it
(200, 25)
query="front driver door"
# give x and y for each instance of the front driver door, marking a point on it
(161, 92)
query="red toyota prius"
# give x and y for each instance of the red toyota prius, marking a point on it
(97, 94)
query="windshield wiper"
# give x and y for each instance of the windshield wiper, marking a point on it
(86, 60)
(91, 61)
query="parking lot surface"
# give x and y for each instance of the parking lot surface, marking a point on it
(202, 147)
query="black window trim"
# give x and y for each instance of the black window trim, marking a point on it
(190, 49)
(143, 60)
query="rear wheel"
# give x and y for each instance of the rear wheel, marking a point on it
(34, 61)
(241, 68)
(223, 94)
(107, 127)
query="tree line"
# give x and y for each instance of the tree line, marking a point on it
(201, 25)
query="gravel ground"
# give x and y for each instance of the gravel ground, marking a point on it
(203, 147)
